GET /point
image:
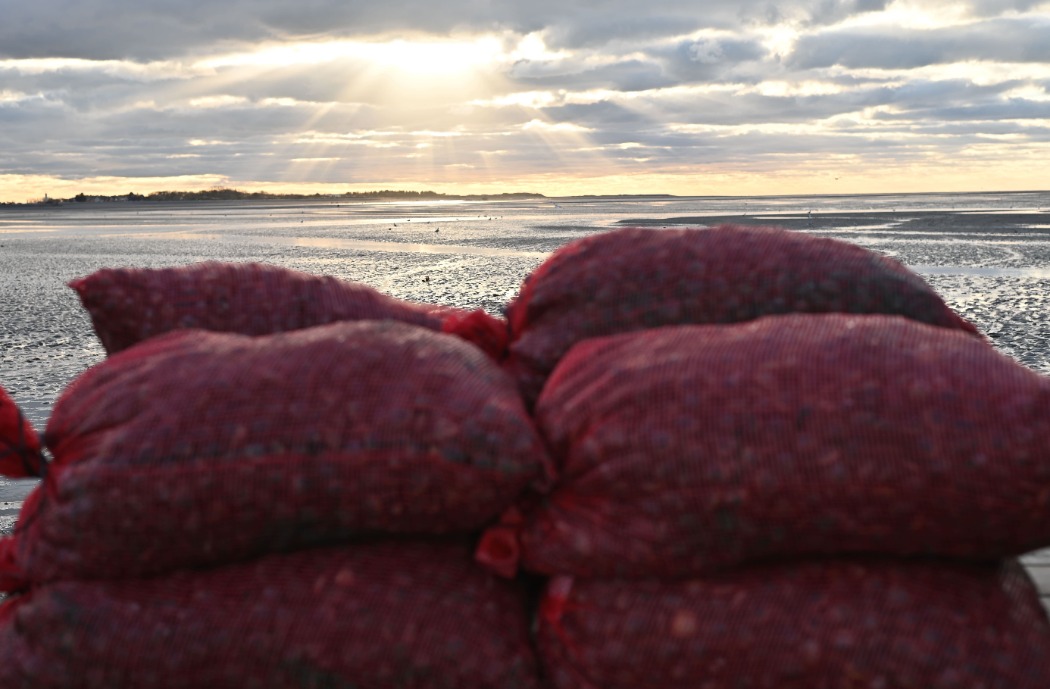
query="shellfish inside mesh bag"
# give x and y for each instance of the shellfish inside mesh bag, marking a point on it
(687, 448)
(815, 625)
(128, 305)
(401, 615)
(634, 279)
(198, 448)
(19, 441)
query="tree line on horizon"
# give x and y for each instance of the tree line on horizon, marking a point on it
(224, 194)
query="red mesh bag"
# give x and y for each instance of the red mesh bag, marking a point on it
(688, 448)
(19, 442)
(634, 279)
(829, 625)
(198, 448)
(481, 329)
(378, 616)
(128, 305)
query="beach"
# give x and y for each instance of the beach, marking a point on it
(987, 255)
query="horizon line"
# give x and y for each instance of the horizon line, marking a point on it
(233, 194)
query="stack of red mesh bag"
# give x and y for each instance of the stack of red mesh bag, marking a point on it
(829, 497)
(292, 507)
(780, 461)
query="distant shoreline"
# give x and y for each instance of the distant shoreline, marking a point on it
(234, 195)
(237, 195)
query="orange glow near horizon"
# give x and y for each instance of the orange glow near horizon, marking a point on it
(741, 182)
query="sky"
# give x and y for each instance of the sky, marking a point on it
(561, 97)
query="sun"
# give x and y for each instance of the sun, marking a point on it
(392, 70)
(432, 57)
(371, 100)
(416, 57)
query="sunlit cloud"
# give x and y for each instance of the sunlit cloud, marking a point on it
(217, 101)
(124, 69)
(204, 142)
(554, 128)
(979, 73)
(8, 96)
(524, 99)
(1029, 92)
(425, 56)
(533, 47)
(779, 88)
(778, 40)
(908, 14)
(268, 102)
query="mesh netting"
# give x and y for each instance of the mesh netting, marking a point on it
(199, 448)
(820, 625)
(634, 279)
(688, 448)
(128, 305)
(402, 615)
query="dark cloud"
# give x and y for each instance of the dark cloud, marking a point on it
(159, 29)
(921, 94)
(598, 115)
(1000, 40)
(831, 11)
(709, 59)
(732, 108)
(35, 111)
(659, 66)
(994, 8)
(627, 75)
(109, 29)
(602, 29)
(1010, 109)
(909, 108)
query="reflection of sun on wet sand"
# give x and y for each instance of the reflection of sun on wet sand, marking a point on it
(932, 222)
(8, 515)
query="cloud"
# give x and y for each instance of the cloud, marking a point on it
(999, 40)
(709, 58)
(602, 29)
(1013, 109)
(831, 11)
(160, 87)
(161, 29)
(994, 8)
(657, 65)
(625, 75)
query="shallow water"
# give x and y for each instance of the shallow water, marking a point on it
(987, 255)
